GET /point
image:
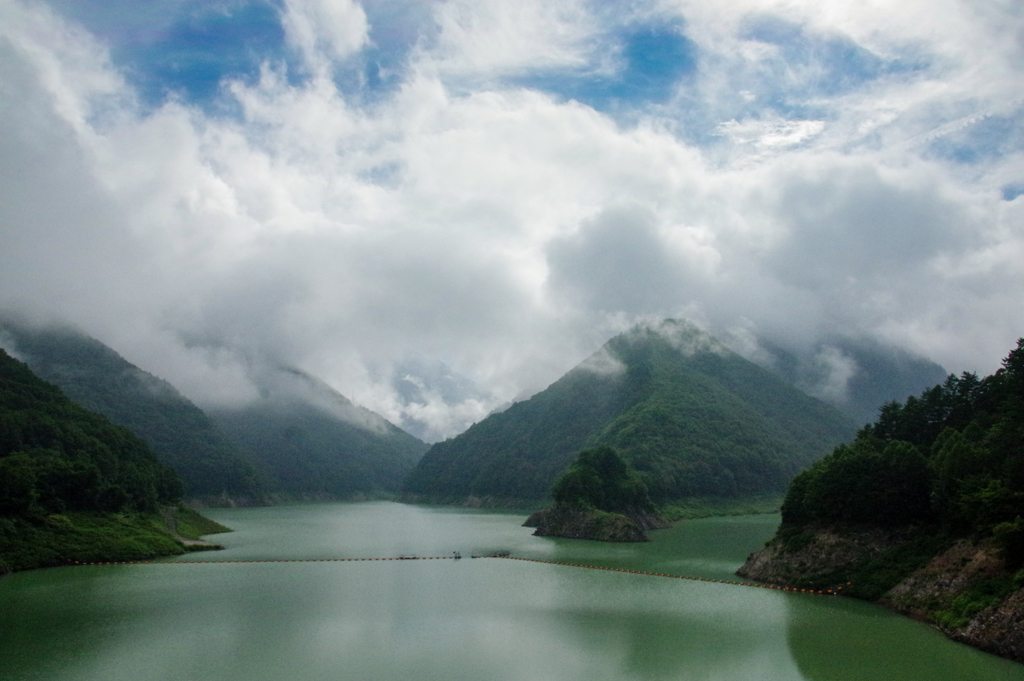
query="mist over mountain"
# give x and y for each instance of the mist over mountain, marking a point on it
(96, 377)
(857, 376)
(693, 417)
(298, 436)
(312, 442)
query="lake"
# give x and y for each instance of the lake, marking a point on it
(483, 618)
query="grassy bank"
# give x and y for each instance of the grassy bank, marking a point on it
(189, 524)
(27, 543)
(56, 539)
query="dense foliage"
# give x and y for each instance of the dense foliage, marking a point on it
(601, 479)
(953, 456)
(56, 456)
(180, 434)
(693, 418)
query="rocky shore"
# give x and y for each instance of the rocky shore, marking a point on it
(578, 523)
(965, 590)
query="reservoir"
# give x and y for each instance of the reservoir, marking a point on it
(474, 618)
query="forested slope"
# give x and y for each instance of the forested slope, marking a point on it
(312, 442)
(181, 435)
(692, 417)
(68, 475)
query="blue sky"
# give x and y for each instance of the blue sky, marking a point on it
(343, 185)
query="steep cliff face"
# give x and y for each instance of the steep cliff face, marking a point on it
(962, 587)
(998, 629)
(821, 557)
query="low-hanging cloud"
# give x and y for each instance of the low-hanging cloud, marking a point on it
(507, 230)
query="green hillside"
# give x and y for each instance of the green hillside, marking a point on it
(953, 457)
(692, 417)
(312, 442)
(67, 473)
(924, 512)
(181, 435)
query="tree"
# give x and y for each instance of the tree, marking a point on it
(601, 479)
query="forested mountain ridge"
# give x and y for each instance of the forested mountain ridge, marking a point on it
(312, 442)
(181, 434)
(300, 438)
(68, 474)
(924, 511)
(693, 418)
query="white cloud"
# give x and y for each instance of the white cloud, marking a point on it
(497, 227)
(488, 38)
(770, 135)
(325, 30)
(68, 63)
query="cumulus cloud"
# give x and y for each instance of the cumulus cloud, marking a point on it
(510, 230)
(617, 261)
(489, 39)
(324, 30)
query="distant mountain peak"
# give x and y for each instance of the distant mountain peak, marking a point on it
(682, 334)
(692, 416)
(284, 385)
(314, 442)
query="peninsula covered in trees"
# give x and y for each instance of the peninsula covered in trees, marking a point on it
(930, 494)
(600, 497)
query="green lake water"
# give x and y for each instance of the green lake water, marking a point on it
(481, 619)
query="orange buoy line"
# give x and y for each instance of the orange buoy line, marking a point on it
(259, 560)
(824, 592)
(837, 591)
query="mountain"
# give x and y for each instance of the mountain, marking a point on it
(311, 441)
(181, 434)
(691, 416)
(923, 511)
(72, 484)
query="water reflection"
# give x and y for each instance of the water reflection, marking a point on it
(837, 639)
(446, 619)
